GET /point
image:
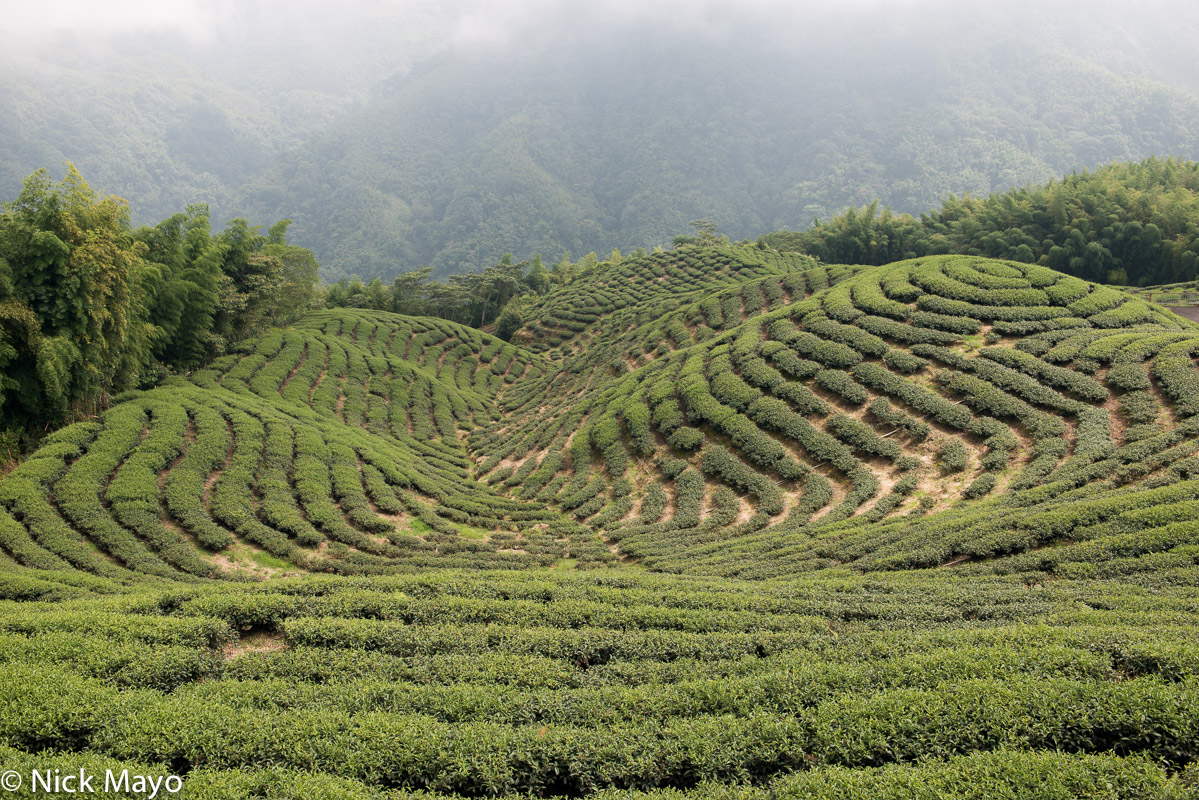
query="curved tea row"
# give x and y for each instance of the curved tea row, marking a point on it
(899, 391)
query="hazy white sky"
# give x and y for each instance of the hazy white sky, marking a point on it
(478, 18)
(418, 28)
(45, 16)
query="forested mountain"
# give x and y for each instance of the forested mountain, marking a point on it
(534, 151)
(449, 135)
(166, 117)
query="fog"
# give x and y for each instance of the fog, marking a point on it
(447, 132)
(212, 20)
(252, 40)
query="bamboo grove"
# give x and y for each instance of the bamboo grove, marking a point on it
(1124, 223)
(91, 307)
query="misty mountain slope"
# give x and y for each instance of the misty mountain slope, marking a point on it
(479, 129)
(161, 142)
(186, 110)
(532, 150)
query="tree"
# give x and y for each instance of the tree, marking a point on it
(376, 295)
(509, 322)
(300, 272)
(1124, 223)
(19, 334)
(538, 280)
(564, 271)
(407, 291)
(89, 307)
(706, 231)
(74, 264)
(297, 294)
(182, 281)
(265, 281)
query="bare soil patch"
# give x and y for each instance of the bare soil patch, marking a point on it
(256, 642)
(1186, 312)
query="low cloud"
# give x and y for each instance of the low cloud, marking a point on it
(55, 16)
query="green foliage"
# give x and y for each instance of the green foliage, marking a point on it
(1142, 237)
(490, 681)
(90, 308)
(953, 456)
(73, 266)
(509, 322)
(539, 575)
(475, 298)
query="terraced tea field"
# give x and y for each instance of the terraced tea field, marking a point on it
(753, 431)
(566, 684)
(718, 521)
(331, 446)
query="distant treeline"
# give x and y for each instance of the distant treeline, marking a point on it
(91, 307)
(1129, 224)
(476, 298)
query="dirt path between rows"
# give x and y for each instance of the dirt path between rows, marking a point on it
(1187, 312)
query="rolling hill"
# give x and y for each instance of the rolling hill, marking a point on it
(719, 521)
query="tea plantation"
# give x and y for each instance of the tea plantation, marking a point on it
(718, 522)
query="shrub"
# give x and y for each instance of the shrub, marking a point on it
(953, 456)
(841, 383)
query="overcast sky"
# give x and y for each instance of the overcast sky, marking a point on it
(394, 34)
(46, 16)
(476, 18)
(474, 21)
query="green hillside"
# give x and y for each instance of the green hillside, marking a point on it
(169, 117)
(778, 408)
(719, 521)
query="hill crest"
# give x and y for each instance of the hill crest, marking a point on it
(725, 410)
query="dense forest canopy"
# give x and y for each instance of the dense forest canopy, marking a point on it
(1135, 224)
(168, 108)
(91, 307)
